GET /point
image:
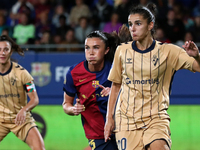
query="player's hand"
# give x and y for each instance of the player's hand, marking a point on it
(21, 117)
(78, 107)
(105, 90)
(108, 129)
(191, 49)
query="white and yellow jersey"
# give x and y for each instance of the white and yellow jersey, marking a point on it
(145, 78)
(13, 87)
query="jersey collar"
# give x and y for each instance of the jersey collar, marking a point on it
(7, 72)
(146, 50)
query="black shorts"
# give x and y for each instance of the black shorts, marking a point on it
(100, 144)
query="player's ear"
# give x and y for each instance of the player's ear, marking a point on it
(107, 50)
(150, 26)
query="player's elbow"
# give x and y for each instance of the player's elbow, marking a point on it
(36, 101)
(68, 109)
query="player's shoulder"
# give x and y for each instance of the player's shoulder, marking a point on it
(77, 65)
(125, 45)
(166, 44)
(19, 70)
(18, 67)
(169, 48)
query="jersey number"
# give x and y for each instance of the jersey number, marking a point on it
(92, 144)
(122, 144)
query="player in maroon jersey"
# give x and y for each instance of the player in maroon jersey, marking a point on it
(88, 79)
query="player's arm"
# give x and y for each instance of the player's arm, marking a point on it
(34, 100)
(109, 126)
(69, 108)
(68, 104)
(196, 64)
(193, 51)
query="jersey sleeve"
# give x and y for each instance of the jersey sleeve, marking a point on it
(115, 74)
(183, 60)
(68, 86)
(25, 76)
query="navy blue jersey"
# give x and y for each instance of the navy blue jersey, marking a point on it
(80, 81)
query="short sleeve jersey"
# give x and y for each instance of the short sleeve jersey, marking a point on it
(13, 92)
(80, 81)
(145, 78)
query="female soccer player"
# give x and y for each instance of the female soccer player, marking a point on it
(15, 84)
(141, 75)
(88, 79)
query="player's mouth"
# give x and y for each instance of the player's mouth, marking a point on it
(92, 58)
(134, 35)
(2, 58)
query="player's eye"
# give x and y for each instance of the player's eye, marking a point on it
(6, 49)
(96, 47)
(87, 48)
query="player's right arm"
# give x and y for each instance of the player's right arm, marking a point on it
(68, 104)
(109, 125)
(71, 109)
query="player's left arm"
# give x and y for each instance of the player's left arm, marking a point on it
(34, 100)
(193, 51)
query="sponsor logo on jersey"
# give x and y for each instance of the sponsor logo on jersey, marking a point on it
(10, 95)
(149, 81)
(41, 73)
(84, 96)
(95, 83)
(82, 80)
(128, 81)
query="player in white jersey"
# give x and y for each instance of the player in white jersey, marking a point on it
(141, 76)
(15, 84)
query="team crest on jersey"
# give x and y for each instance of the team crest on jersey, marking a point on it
(155, 60)
(129, 61)
(13, 81)
(41, 73)
(95, 83)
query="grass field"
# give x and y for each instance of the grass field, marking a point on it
(66, 133)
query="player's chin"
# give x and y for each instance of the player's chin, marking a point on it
(135, 38)
(92, 62)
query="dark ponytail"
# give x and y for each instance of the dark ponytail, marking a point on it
(112, 40)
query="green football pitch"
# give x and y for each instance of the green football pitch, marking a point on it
(65, 132)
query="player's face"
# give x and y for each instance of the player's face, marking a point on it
(139, 27)
(5, 52)
(95, 50)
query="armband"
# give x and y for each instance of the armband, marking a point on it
(30, 87)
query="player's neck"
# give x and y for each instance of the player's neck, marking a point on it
(95, 67)
(144, 44)
(5, 67)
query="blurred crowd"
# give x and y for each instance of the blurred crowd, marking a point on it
(69, 21)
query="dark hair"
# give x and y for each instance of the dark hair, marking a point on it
(148, 12)
(13, 45)
(62, 17)
(112, 40)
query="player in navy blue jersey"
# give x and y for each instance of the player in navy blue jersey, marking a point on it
(88, 79)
